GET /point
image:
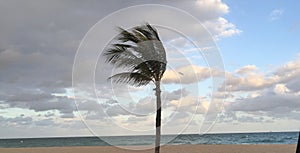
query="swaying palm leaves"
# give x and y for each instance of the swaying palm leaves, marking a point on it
(140, 52)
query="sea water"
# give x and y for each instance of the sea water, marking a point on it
(232, 138)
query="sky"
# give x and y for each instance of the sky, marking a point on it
(233, 66)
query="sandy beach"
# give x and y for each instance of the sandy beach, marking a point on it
(261, 148)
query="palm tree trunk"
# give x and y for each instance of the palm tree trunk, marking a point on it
(158, 117)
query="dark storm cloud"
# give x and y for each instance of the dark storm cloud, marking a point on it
(42, 102)
(38, 42)
(268, 104)
(294, 85)
(39, 39)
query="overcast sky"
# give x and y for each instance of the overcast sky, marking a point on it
(259, 48)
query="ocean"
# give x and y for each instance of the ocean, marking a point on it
(234, 138)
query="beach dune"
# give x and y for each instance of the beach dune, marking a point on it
(259, 148)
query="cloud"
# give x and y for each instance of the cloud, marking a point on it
(289, 74)
(262, 97)
(20, 120)
(116, 110)
(175, 95)
(211, 9)
(190, 104)
(210, 13)
(246, 69)
(67, 115)
(28, 53)
(145, 106)
(184, 102)
(189, 74)
(29, 97)
(41, 102)
(269, 103)
(136, 119)
(49, 114)
(249, 81)
(90, 105)
(275, 96)
(221, 28)
(37, 49)
(45, 122)
(281, 89)
(276, 14)
(249, 78)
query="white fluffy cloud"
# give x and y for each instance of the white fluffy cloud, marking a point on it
(210, 13)
(211, 9)
(189, 74)
(220, 27)
(246, 69)
(248, 78)
(281, 89)
(265, 97)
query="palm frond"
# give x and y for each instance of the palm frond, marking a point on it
(140, 52)
(153, 31)
(144, 32)
(122, 55)
(134, 79)
(126, 36)
(152, 68)
(140, 35)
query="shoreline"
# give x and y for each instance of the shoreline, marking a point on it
(92, 136)
(207, 148)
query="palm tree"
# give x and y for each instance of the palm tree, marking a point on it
(141, 53)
